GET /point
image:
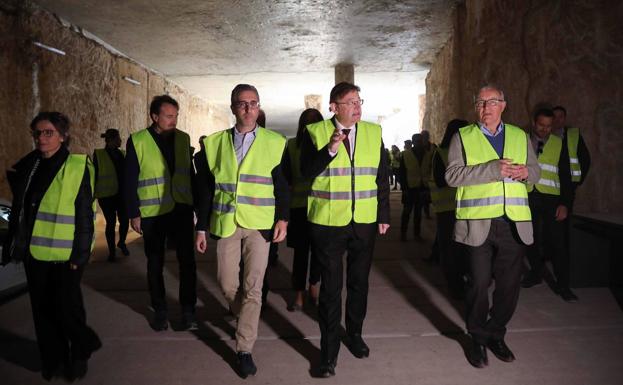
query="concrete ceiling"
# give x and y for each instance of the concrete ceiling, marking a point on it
(209, 46)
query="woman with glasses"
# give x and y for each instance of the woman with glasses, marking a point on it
(51, 231)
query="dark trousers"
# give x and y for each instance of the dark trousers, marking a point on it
(414, 200)
(330, 244)
(549, 239)
(58, 313)
(500, 258)
(114, 208)
(155, 230)
(450, 253)
(299, 239)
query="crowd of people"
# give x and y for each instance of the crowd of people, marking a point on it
(499, 194)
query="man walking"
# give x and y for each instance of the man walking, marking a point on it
(489, 163)
(159, 200)
(243, 200)
(348, 204)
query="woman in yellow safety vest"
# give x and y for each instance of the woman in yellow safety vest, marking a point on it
(51, 231)
(298, 228)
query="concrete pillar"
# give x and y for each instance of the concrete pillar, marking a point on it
(313, 101)
(344, 73)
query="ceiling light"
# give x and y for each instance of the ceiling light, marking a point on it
(51, 49)
(130, 80)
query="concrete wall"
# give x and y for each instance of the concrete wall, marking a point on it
(86, 84)
(559, 52)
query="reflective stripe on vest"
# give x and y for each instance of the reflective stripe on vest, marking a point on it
(346, 190)
(494, 199)
(418, 173)
(244, 194)
(54, 229)
(443, 198)
(299, 190)
(549, 182)
(157, 191)
(573, 140)
(106, 184)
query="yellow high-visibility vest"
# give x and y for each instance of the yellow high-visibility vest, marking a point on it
(346, 190)
(55, 224)
(498, 198)
(573, 140)
(157, 191)
(549, 181)
(418, 173)
(244, 194)
(107, 184)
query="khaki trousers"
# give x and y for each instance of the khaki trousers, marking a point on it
(246, 304)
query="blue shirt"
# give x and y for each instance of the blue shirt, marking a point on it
(243, 142)
(496, 140)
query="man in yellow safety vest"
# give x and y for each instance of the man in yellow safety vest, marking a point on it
(490, 163)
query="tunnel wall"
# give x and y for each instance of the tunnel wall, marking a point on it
(566, 53)
(86, 84)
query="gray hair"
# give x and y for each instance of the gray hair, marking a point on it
(489, 86)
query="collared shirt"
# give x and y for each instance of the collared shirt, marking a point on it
(497, 139)
(538, 143)
(243, 142)
(351, 137)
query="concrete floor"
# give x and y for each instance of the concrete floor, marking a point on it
(413, 330)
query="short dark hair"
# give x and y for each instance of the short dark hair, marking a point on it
(240, 88)
(451, 129)
(543, 112)
(560, 108)
(59, 120)
(309, 116)
(158, 101)
(341, 89)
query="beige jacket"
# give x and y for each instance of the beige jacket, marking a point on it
(474, 232)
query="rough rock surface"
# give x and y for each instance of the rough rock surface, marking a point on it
(557, 52)
(86, 84)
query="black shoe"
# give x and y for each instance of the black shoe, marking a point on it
(293, 307)
(403, 237)
(160, 322)
(189, 322)
(501, 350)
(357, 346)
(477, 355)
(246, 366)
(568, 296)
(531, 279)
(79, 369)
(326, 369)
(111, 258)
(49, 373)
(124, 249)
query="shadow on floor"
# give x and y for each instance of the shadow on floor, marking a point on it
(19, 351)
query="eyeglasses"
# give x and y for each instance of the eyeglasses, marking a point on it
(490, 102)
(45, 133)
(352, 103)
(244, 105)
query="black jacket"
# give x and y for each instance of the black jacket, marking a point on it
(205, 186)
(313, 162)
(26, 201)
